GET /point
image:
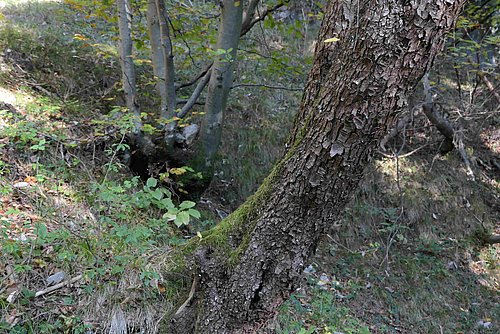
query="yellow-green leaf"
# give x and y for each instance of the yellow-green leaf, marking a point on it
(331, 40)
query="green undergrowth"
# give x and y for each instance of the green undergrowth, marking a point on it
(64, 212)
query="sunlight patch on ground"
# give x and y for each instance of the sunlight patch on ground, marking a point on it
(7, 96)
(4, 3)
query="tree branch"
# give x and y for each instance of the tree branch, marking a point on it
(244, 31)
(194, 97)
(248, 15)
(268, 86)
(454, 138)
(196, 78)
(259, 18)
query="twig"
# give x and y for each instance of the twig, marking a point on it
(400, 125)
(493, 239)
(58, 286)
(267, 86)
(339, 244)
(391, 156)
(190, 296)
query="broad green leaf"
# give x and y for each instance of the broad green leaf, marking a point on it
(151, 182)
(187, 205)
(169, 216)
(182, 219)
(167, 203)
(194, 213)
(157, 194)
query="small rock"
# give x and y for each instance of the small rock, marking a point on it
(451, 265)
(12, 296)
(309, 269)
(21, 185)
(222, 214)
(323, 280)
(55, 278)
(190, 132)
(484, 324)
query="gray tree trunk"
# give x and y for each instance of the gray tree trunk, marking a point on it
(163, 65)
(127, 62)
(248, 264)
(157, 57)
(169, 99)
(220, 82)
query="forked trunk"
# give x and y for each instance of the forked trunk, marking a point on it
(370, 54)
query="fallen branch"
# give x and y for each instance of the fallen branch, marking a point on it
(493, 239)
(490, 86)
(436, 118)
(453, 138)
(190, 296)
(58, 286)
(459, 144)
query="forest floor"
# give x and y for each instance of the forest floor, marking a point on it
(409, 255)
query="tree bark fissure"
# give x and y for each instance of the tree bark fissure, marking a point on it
(356, 88)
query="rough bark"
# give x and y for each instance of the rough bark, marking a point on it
(220, 82)
(127, 61)
(249, 263)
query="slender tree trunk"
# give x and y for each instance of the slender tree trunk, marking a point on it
(248, 264)
(220, 82)
(169, 99)
(163, 65)
(157, 57)
(127, 62)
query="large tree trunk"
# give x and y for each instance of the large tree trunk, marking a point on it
(247, 265)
